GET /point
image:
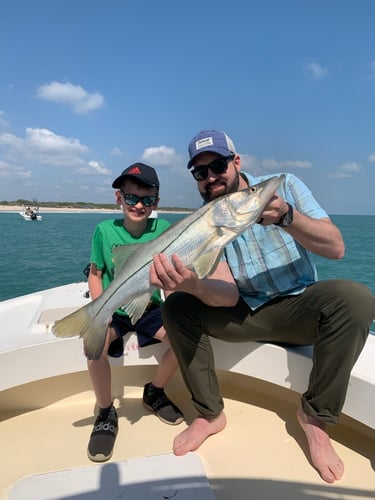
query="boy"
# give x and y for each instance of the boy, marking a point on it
(137, 192)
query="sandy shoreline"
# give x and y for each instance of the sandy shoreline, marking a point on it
(66, 210)
(46, 210)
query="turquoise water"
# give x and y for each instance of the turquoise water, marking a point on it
(39, 255)
(53, 252)
(359, 262)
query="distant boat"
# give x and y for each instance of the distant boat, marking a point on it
(30, 214)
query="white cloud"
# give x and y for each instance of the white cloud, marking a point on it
(11, 141)
(250, 163)
(44, 146)
(162, 155)
(316, 70)
(75, 96)
(4, 167)
(95, 167)
(116, 152)
(371, 158)
(347, 170)
(275, 165)
(11, 171)
(41, 150)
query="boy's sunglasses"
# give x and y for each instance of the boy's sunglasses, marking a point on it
(133, 199)
(218, 166)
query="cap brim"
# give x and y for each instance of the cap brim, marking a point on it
(117, 182)
(218, 151)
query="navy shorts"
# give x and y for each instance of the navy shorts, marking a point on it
(145, 328)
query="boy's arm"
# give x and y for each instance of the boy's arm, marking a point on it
(95, 281)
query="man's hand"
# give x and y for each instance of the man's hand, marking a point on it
(218, 289)
(272, 213)
(171, 275)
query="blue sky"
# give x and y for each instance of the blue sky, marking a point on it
(88, 87)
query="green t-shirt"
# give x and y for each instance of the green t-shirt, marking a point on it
(111, 233)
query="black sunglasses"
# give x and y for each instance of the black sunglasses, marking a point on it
(133, 199)
(218, 166)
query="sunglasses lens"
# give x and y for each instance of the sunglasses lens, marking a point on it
(148, 201)
(219, 166)
(200, 173)
(133, 199)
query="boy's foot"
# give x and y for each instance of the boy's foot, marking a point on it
(103, 435)
(155, 400)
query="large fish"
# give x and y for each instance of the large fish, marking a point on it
(198, 240)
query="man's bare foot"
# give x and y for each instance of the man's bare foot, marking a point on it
(323, 456)
(191, 438)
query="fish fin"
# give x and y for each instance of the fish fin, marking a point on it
(80, 324)
(137, 307)
(122, 253)
(207, 262)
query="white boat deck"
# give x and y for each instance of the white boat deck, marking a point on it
(47, 412)
(160, 476)
(262, 453)
(31, 339)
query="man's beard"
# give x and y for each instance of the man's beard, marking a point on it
(229, 188)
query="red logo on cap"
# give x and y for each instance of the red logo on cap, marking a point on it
(135, 170)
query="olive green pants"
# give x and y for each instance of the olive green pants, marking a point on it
(335, 316)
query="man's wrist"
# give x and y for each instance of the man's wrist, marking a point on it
(286, 219)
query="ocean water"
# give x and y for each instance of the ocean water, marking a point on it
(39, 255)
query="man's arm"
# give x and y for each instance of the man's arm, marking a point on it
(319, 236)
(217, 290)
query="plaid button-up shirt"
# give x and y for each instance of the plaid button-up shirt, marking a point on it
(266, 261)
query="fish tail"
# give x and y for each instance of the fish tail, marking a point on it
(80, 324)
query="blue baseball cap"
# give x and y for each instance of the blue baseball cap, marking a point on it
(215, 141)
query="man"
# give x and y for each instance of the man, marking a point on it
(137, 192)
(265, 289)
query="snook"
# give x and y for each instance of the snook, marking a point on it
(198, 240)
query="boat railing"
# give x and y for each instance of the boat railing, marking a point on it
(45, 356)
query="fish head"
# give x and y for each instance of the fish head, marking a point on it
(239, 210)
